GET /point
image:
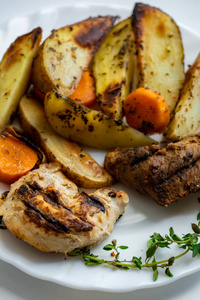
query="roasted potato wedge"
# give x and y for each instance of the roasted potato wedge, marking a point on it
(90, 127)
(67, 52)
(159, 55)
(77, 165)
(15, 71)
(113, 69)
(186, 119)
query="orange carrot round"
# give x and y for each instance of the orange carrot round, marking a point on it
(84, 93)
(38, 93)
(85, 90)
(146, 111)
(16, 159)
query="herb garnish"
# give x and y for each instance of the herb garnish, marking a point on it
(188, 242)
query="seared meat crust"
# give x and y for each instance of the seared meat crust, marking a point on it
(166, 174)
(43, 202)
(45, 209)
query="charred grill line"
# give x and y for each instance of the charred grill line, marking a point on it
(186, 181)
(143, 156)
(64, 221)
(34, 186)
(34, 190)
(50, 195)
(39, 219)
(178, 173)
(166, 174)
(94, 201)
(189, 150)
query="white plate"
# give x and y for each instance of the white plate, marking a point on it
(143, 216)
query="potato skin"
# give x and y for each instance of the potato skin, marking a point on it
(76, 164)
(67, 52)
(113, 69)
(186, 118)
(159, 54)
(15, 73)
(90, 127)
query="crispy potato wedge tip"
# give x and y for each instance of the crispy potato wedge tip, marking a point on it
(159, 55)
(113, 69)
(186, 119)
(15, 72)
(77, 165)
(67, 52)
(90, 127)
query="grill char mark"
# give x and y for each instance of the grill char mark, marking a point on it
(54, 213)
(175, 157)
(168, 174)
(40, 221)
(91, 200)
(142, 154)
(180, 185)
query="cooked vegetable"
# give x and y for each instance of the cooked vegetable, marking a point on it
(15, 71)
(159, 56)
(90, 127)
(67, 53)
(16, 158)
(19, 134)
(186, 119)
(85, 91)
(38, 93)
(146, 111)
(77, 165)
(113, 69)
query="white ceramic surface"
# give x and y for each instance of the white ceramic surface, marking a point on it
(142, 216)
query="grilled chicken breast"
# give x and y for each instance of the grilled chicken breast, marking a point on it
(45, 209)
(164, 173)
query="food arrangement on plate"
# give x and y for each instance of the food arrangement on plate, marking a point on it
(107, 84)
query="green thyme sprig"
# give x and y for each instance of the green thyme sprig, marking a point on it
(189, 243)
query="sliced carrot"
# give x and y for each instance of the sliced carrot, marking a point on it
(146, 111)
(85, 90)
(16, 158)
(84, 93)
(38, 93)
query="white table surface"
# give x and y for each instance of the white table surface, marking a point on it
(14, 284)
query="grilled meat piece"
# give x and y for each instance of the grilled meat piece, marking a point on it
(45, 209)
(166, 174)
